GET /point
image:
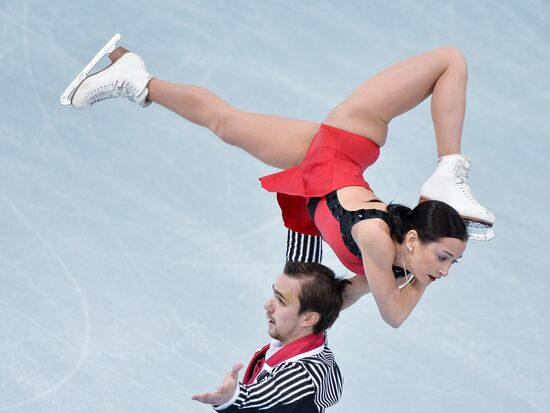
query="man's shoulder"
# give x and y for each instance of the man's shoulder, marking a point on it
(319, 373)
(317, 365)
(324, 359)
(323, 375)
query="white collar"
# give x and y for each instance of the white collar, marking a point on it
(274, 347)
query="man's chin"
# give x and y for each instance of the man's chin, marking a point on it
(273, 334)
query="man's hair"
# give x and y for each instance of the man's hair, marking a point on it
(321, 291)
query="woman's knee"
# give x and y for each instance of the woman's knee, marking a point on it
(454, 59)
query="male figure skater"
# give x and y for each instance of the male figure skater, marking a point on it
(296, 372)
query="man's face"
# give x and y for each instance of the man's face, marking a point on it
(284, 323)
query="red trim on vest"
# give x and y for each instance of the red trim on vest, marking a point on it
(255, 365)
(300, 346)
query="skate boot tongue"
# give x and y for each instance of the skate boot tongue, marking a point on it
(462, 173)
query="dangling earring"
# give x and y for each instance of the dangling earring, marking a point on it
(408, 281)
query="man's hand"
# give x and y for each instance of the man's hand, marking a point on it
(225, 392)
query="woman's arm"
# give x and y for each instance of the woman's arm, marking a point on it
(378, 252)
(354, 291)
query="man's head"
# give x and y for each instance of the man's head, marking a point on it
(307, 299)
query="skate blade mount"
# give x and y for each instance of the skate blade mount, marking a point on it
(478, 231)
(66, 97)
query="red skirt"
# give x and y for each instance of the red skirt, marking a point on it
(335, 159)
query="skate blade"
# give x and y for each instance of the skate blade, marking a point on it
(479, 231)
(67, 96)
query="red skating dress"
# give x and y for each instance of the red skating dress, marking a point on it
(335, 159)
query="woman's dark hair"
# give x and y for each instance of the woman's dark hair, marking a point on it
(321, 291)
(432, 220)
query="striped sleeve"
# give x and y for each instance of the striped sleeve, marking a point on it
(303, 247)
(327, 379)
(288, 385)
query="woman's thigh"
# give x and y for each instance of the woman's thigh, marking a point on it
(395, 90)
(277, 141)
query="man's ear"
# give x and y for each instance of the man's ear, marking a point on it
(310, 319)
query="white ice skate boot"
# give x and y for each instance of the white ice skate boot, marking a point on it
(126, 76)
(449, 184)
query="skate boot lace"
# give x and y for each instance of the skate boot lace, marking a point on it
(119, 88)
(461, 175)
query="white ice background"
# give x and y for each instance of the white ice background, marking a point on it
(136, 250)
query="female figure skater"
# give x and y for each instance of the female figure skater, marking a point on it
(321, 189)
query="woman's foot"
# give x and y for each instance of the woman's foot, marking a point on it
(449, 183)
(126, 76)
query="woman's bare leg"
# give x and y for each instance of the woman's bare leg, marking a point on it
(441, 73)
(274, 140)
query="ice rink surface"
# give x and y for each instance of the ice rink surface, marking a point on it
(136, 250)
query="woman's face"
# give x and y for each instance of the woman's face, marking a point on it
(433, 260)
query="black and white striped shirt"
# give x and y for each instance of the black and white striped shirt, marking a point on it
(301, 383)
(303, 247)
